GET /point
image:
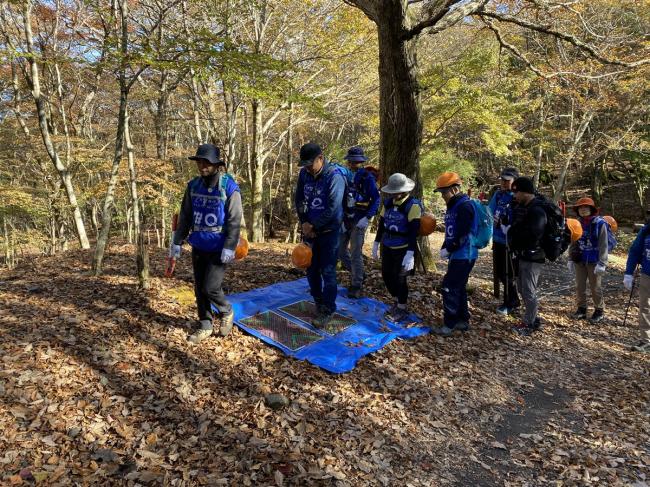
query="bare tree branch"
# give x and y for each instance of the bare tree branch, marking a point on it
(571, 39)
(445, 18)
(368, 7)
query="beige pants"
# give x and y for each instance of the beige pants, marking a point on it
(644, 308)
(584, 273)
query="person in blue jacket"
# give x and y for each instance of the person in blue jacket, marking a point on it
(397, 232)
(319, 203)
(363, 205)
(639, 255)
(458, 247)
(588, 259)
(504, 263)
(210, 214)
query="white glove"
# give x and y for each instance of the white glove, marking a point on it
(227, 256)
(444, 254)
(571, 266)
(505, 228)
(175, 251)
(628, 281)
(600, 269)
(363, 223)
(375, 250)
(408, 262)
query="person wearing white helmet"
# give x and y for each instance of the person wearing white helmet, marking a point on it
(397, 232)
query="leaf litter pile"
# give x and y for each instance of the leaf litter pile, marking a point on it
(98, 385)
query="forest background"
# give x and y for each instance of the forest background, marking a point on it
(101, 103)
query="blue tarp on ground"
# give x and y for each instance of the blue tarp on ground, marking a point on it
(338, 353)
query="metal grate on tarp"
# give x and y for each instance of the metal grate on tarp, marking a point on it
(281, 330)
(306, 311)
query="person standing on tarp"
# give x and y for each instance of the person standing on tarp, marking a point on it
(504, 263)
(319, 203)
(459, 249)
(363, 206)
(210, 214)
(397, 232)
(639, 254)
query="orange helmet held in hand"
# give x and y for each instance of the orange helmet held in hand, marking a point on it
(427, 224)
(301, 256)
(242, 249)
(575, 227)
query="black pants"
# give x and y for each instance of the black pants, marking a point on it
(208, 279)
(505, 267)
(391, 271)
(454, 292)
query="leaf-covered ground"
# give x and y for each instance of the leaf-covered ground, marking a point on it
(99, 385)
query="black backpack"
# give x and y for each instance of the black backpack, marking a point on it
(557, 236)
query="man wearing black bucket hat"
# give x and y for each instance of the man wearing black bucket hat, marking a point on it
(319, 202)
(210, 214)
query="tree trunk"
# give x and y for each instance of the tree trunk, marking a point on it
(160, 117)
(133, 176)
(540, 147)
(17, 100)
(575, 143)
(109, 199)
(289, 186)
(257, 175)
(35, 85)
(230, 104)
(142, 259)
(400, 111)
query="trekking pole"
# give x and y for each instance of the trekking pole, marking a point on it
(629, 301)
(506, 296)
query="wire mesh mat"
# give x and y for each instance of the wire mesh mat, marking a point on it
(281, 330)
(307, 311)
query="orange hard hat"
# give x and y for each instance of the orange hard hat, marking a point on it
(242, 249)
(427, 224)
(575, 227)
(447, 179)
(612, 223)
(301, 256)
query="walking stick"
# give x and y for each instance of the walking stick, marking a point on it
(629, 301)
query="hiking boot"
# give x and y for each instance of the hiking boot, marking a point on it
(503, 310)
(322, 319)
(580, 314)
(643, 347)
(523, 329)
(354, 292)
(225, 323)
(461, 326)
(597, 316)
(389, 314)
(199, 335)
(400, 314)
(444, 330)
